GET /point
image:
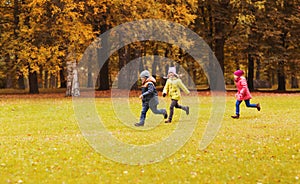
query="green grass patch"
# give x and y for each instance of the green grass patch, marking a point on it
(41, 142)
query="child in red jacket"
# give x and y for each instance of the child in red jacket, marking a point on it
(242, 94)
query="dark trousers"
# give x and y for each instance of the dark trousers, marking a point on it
(175, 104)
(153, 108)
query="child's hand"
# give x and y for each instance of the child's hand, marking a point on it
(239, 96)
(141, 96)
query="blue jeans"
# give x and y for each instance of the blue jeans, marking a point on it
(145, 108)
(237, 105)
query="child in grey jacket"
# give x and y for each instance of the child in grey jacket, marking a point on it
(149, 97)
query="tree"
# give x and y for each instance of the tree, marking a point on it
(49, 32)
(258, 36)
(72, 78)
(282, 15)
(215, 22)
(9, 26)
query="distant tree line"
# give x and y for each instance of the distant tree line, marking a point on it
(38, 38)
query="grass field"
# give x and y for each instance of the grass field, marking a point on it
(41, 142)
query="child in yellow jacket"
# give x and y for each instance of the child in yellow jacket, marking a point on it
(172, 88)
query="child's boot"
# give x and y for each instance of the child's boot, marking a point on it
(186, 109)
(237, 116)
(168, 121)
(139, 124)
(258, 107)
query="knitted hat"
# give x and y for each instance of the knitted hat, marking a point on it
(145, 73)
(239, 73)
(172, 70)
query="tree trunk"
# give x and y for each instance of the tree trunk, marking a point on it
(21, 82)
(69, 78)
(104, 77)
(294, 70)
(219, 34)
(155, 62)
(219, 51)
(9, 80)
(294, 82)
(75, 81)
(90, 80)
(9, 66)
(166, 70)
(137, 54)
(53, 81)
(281, 76)
(46, 80)
(33, 82)
(280, 71)
(124, 57)
(104, 71)
(63, 82)
(141, 66)
(90, 77)
(258, 65)
(40, 77)
(250, 72)
(72, 79)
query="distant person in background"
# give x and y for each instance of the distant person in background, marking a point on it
(243, 93)
(149, 97)
(172, 88)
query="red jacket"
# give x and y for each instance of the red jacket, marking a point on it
(243, 90)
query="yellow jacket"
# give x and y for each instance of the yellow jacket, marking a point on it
(173, 86)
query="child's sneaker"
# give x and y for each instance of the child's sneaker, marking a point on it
(236, 116)
(138, 124)
(165, 115)
(168, 121)
(258, 107)
(187, 110)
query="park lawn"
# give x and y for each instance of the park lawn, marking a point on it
(41, 142)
